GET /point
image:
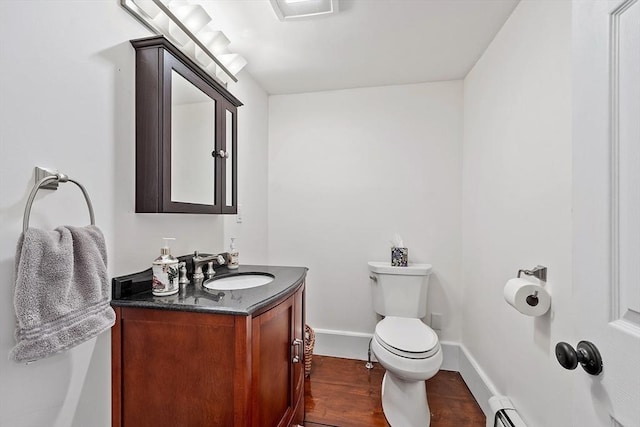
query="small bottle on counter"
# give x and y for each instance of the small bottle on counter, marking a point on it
(165, 272)
(233, 255)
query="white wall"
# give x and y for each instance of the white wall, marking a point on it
(68, 102)
(347, 170)
(252, 154)
(517, 206)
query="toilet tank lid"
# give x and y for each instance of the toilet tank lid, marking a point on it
(410, 270)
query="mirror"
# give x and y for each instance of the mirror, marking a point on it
(193, 130)
(230, 160)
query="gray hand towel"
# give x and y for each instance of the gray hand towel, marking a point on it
(62, 292)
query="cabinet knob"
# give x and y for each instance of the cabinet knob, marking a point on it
(220, 153)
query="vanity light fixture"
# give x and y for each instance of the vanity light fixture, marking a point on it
(187, 25)
(298, 9)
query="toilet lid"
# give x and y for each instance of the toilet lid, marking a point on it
(407, 337)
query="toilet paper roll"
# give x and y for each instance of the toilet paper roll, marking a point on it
(526, 297)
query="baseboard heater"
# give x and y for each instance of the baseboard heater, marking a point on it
(505, 414)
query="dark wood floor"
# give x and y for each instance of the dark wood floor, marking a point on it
(343, 393)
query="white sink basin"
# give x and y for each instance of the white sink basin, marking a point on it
(241, 281)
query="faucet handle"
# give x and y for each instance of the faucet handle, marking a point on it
(182, 266)
(210, 271)
(221, 260)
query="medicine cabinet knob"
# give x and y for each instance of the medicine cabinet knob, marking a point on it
(221, 153)
(586, 354)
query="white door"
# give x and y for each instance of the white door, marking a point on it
(606, 156)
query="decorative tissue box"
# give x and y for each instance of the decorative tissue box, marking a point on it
(399, 257)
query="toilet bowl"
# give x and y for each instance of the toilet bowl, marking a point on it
(410, 352)
(408, 349)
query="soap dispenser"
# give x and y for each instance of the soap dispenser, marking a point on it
(233, 255)
(165, 272)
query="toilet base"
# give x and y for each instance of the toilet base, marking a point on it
(405, 402)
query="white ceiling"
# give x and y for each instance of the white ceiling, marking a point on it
(368, 43)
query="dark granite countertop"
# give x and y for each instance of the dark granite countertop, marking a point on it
(135, 291)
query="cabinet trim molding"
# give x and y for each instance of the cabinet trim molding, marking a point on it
(160, 41)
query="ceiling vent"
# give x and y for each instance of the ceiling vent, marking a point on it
(287, 10)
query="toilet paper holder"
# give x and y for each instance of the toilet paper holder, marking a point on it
(540, 272)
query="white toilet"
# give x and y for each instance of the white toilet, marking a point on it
(407, 348)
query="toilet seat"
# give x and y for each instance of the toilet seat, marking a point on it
(407, 337)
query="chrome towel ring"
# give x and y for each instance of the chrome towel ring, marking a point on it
(58, 177)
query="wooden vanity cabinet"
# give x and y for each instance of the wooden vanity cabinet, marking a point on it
(177, 368)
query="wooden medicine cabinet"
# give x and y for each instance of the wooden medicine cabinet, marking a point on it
(186, 134)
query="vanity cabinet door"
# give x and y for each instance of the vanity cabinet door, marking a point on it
(174, 369)
(278, 378)
(298, 367)
(272, 336)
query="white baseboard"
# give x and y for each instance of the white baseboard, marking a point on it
(479, 384)
(345, 344)
(450, 356)
(354, 345)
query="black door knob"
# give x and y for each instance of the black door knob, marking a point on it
(566, 355)
(586, 354)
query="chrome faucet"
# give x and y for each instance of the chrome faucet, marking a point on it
(199, 261)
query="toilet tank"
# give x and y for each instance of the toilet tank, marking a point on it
(399, 291)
